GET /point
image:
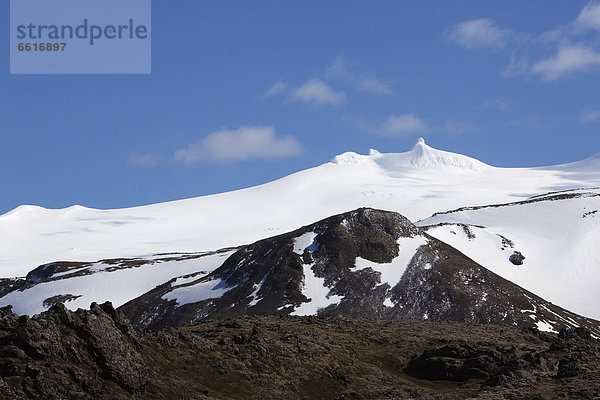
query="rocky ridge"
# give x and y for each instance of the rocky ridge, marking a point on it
(274, 277)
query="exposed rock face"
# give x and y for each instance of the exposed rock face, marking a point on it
(436, 281)
(61, 353)
(97, 355)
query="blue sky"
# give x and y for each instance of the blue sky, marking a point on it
(244, 92)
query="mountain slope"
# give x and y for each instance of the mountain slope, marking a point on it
(78, 284)
(416, 183)
(557, 233)
(365, 263)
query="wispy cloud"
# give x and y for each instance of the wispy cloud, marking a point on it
(278, 87)
(363, 82)
(370, 84)
(314, 91)
(590, 115)
(317, 92)
(558, 52)
(515, 67)
(320, 92)
(404, 124)
(337, 67)
(147, 159)
(589, 17)
(479, 33)
(242, 144)
(569, 58)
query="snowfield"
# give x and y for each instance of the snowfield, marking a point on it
(102, 283)
(416, 184)
(559, 239)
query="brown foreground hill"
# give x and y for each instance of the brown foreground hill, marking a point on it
(96, 354)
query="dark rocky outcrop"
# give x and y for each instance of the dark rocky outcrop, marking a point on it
(61, 353)
(516, 258)
(459, 362)
(96, 354)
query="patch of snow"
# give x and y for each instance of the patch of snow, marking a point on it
(392, 272)
(314, 289)
(211, 289)
(545, 327)
(254, 293)
(530, 311)
(306, 241)
(388, 302)
(69, 272)
(188, 278)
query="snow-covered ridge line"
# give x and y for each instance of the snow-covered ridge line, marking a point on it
(548, 245)
(551, 196)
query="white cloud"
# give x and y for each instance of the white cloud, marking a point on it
(569, 58)
(314, 91)
(318, 92)
(321, 93)
(242, 144)
(404, 124)
(563, 56)
(479, 33)
(589, 17)
(278, 88)
(374, 85)
(143, 159)
(590, 115)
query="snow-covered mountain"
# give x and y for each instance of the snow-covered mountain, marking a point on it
(500, 216)
(364, 263)
(416, 183)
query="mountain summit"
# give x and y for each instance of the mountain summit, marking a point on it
(420, 156)
(424, 156)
